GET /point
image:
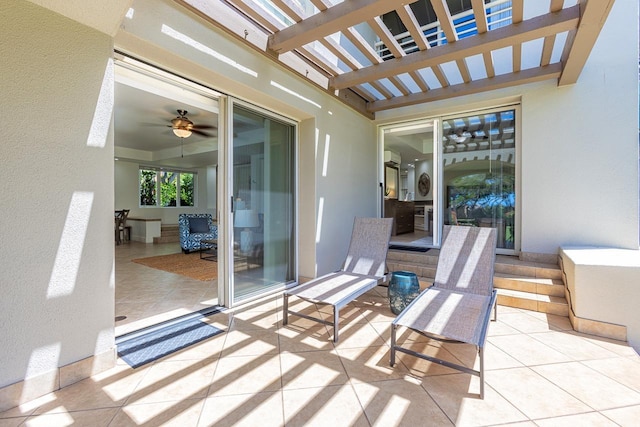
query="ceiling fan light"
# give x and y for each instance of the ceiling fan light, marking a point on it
(182, 133)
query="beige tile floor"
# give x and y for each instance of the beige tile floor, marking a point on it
(147, 296)
(539, 373)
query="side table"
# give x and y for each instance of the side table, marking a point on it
(209, 249)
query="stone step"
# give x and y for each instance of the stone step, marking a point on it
(166, 239)
(551, 287)
(534, 302)
(526, 284)
(512, 265)
(168, 234)
(419, 263)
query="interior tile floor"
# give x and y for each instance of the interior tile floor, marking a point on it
(147, 296)
(539, 373)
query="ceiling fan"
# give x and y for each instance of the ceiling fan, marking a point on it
(461, 135)
(183, 127)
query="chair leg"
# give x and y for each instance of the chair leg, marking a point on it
(285, 310)
(336, 315)
(481, 353)
(392, 360)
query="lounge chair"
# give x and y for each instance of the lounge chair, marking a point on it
(457, 307)
(364, 268)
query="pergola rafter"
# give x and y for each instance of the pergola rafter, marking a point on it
(378, 54)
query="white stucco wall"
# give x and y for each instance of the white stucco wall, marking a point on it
(56, 280)
(578, 147)
(604, 285)
(342, 146)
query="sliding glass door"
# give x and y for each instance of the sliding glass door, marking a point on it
(479, 172)
(410, 183)
(261, 191)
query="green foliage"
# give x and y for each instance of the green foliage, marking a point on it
(186, 189)
(147, 188)
(168, 188)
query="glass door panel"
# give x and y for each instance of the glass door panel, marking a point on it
(479, 170)
(263, 191)
(410, 182)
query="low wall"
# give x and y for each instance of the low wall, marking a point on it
(144, 229)
(603, 287)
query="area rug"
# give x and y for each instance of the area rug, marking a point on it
(189, 265)
(142, 348)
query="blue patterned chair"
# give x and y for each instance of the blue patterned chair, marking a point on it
(193, 228)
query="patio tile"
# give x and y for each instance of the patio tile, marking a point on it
(259, 409)
(378, 312)
(94, 417)
(357, 335)
(558, 322)
(399, 403)
(170, 413)
(628, 416)
(500, 328)
(591, 419)
(175, 380)
(532, 394)
(370, 364)
(621, 348)
(294, 339)
(349, 314)
(250, 342)
(524, 323)
(422, 368)
(572, 345)
(12, 422)
(494, 358)
(246, 375)
(458, 396)
(311, 369)
(527, 350)
(403, 334)
(623, 370)
(594, 389)
(333, 406)
(92, 393)
(262, 320)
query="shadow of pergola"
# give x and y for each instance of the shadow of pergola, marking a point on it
(302, 349)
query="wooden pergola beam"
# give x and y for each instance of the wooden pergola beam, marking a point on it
(592, 18)
(329, 21)
(477, 86)
(531, 29)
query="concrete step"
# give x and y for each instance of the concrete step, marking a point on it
(512, 265)
(166, 239)
(525, 284)
(534, 302)
(551, 287)
(168, 234)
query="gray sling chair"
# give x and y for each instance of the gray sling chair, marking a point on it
(457, 308)
(364, 268)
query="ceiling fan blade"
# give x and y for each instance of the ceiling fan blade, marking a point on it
(204, 127)
(201, 133)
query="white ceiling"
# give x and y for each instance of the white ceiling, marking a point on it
(142, 122)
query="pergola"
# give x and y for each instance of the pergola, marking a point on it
(348, 48)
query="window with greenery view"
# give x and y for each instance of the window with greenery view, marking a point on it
(166, 188)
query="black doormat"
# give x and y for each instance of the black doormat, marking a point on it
(140, 348)
(409, 248)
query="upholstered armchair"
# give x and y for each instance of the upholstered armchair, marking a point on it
(194, 228)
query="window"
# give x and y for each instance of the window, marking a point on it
(166, 188)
